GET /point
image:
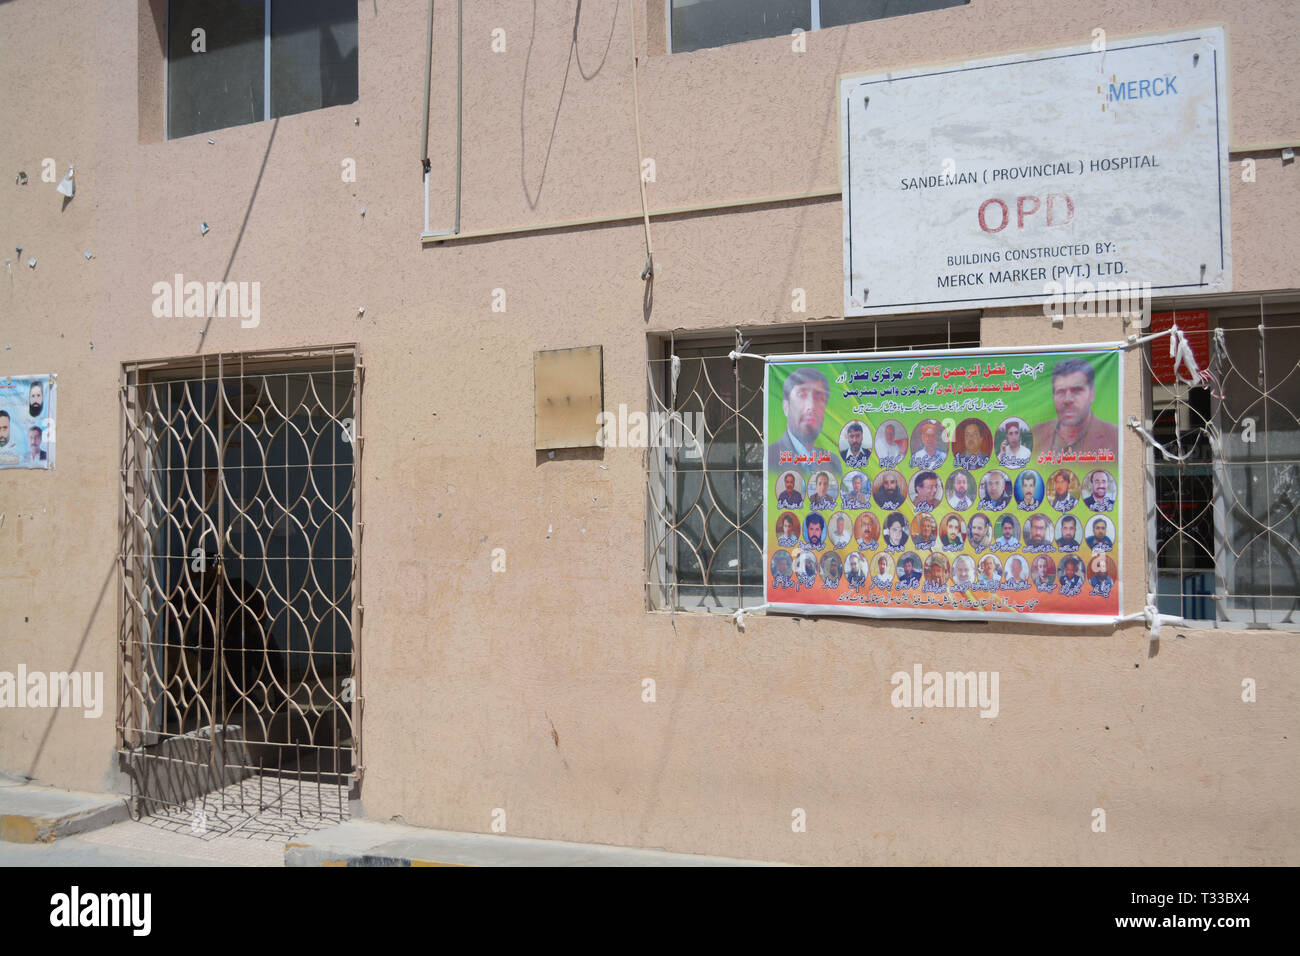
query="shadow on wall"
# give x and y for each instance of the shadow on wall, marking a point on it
(574, 53)
(257, 185)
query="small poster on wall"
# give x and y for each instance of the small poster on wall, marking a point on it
(27, 413)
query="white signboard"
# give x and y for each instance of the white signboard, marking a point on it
(979, 184)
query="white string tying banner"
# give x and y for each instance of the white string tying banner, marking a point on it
(1150, 614)
(1180, 351)
(1136, 425)
(739, 615)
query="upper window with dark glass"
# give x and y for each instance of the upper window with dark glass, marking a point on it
(241, 61)
(696, 24)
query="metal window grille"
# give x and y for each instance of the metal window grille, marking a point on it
(704, 481)
(1224, 504)
(240, 613)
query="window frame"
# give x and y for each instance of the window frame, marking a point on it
(957, 329)
(135, 728)
(814, 23)
(266, 75)
(1222, 499)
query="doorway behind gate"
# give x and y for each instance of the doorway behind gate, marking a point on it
(238, 639)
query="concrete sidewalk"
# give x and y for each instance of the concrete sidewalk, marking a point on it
(367, 843)
(36, 814)
(39, 815)
(141, 845)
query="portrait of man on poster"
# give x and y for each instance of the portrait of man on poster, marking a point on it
(889, 490)
(1012, 453)
(791, 497)
(930, 454)
(908, 575)
(895, 532)
(972, 445)
(1100, 499)
(1099, 540)
(884, 577)
(854, 572)
(1062, 499)
(1076, 429)
(857, 454)
(803, 399)
(782, 570)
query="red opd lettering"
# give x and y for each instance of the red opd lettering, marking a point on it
(1023, 210)
(1060, 211)
(1069, 209)
(1006, 215)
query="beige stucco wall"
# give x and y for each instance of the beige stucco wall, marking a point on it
(468, 672)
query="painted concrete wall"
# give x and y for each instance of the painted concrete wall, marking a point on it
(470, 677)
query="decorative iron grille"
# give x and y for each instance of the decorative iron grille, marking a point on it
(1224, 490)
(239, 568)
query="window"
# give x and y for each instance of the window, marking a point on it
(241, 61)
(696, 24)
(704, 532)
(1226, 520)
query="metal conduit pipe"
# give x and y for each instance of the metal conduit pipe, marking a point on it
(424, 136)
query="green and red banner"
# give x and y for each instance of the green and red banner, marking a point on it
(969, 484)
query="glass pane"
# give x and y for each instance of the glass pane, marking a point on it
(704, 23)
(1260, 375)
(220, 85)
(838, 12)
(1185, 529)
(313, 54)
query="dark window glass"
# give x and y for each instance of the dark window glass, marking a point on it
(697, 24)
(1184, 513)
(717, 557)
(839, 12)
(313, 55)
(703, 23)
(312, 52)
(224, 85)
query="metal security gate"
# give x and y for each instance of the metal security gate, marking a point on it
(239, 615)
